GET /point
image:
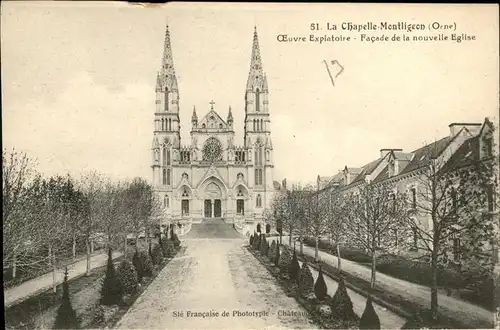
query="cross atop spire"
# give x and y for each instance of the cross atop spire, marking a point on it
(212, 104)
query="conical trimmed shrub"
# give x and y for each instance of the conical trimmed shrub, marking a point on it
(272, 251)
(157, 255)
(295, 268)
(262, 246)
(369, 319)
(111, 291)
(266, 248)
(251, 240)
(285, 261)
(341, 304)
(128, 277)
(306, 280)
(66, 316)
(168, 248)
(320, 288)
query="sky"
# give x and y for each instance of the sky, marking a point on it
(78, 80)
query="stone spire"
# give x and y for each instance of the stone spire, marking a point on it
(194, 117)
(230, 115)
(255, 62)
(167, 69)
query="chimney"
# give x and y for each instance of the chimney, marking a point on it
(384, 152)
(456, 127)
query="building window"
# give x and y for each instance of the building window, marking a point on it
(240, 207)
(454, 203)
(488, 147)
(185, 193)
(185, 207)
(413, 195)
(166, 202)
(262, 125)
(258, 176)
(491, 197)
(168, 177)
(258, 202)
(164, 156)
(164, 180)
(168, 157)
(257, 99)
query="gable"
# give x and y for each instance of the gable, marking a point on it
(212, 120)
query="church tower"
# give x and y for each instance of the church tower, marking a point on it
(257, 123)
(166, 140)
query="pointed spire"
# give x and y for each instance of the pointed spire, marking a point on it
(194, 117)
(256, 71)
(230, 115)
(167, 69)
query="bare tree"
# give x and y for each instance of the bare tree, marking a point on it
(316, 212)
(377, 212)
(18, 175)
(91, 185)
(337, 213)
(460, 204)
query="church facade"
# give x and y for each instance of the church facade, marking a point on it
(212, 176)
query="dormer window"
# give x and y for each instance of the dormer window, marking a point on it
(203, 126)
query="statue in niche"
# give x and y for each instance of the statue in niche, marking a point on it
(195, 155)
(230, 155)
(157, 155)
(230, 142)
(268, 156)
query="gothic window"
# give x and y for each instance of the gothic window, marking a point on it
(168, 176)
(258, 202)
(185, 207)
(166, 100)
(262, 125)
(240, 206)
(258, 176)
(168, 157)
(169, 124)
(166, 202)
(203, 126)
(162, 124)
(220, 125)
(254, 125)
(164, 176)
(240, 193)
(164, 156)
(454, 201)
(413, 192)
(212, 150)
(185, 193)
(257, 99)
(488, 147)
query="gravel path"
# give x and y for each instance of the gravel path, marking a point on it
(214, 276)
(42, 283)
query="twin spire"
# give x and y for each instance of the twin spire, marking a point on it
(166, 78)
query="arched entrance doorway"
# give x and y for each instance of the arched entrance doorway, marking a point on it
(212, 207)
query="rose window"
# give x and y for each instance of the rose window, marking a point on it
(212, 150)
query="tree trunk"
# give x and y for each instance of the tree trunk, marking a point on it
(301, 246)
(74, 247)
(14, 265)
(374, 269)
(316, 249)
(338, 258)
(89, 254)
(91, 246)
(50, 255)
(290, 237)
(54, 283)
(434, 287)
